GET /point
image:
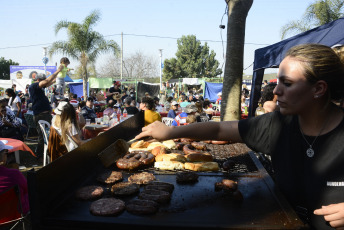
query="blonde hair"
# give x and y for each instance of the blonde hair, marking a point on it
(321, 63)
(191, 119)
(66, 120)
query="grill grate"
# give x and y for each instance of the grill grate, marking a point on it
(238, 153)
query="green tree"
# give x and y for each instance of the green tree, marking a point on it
(232, 80)
(5, 68)
(318, 13)
(83, 44)
(192, 60)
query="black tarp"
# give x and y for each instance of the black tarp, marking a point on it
(271, 56)
(142, 88)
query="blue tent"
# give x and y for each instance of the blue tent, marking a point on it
(271, 56)
(211, 90)
(68, 79)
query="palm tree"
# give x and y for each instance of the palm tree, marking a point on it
(231, 91)
(83, 44)
(317, 14)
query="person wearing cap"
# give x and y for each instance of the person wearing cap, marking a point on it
(87, 111)
(181, 118)
(40, 104)
(219, 98)
(114, 92)
(10, 177)
(172, 113)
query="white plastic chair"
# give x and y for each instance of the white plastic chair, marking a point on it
(45, 127)
(167, 121)
(204, 118)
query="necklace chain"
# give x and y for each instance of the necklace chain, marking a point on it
(310, 150)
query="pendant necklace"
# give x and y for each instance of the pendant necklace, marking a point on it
(310, 150)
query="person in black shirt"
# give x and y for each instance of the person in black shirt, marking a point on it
(40, 104)
(87, 111)
(131, 110)
(304, 138)
(114, 92)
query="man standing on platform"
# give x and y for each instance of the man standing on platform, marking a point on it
(40, 104)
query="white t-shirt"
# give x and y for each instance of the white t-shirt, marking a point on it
(70, 145)
(13, 104)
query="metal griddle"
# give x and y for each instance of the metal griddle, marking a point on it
(53, 204)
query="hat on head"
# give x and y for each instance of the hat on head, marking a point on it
(117, 105)
(41, 76)
(174, 103)
(59, 108)
(190, 108)
(4, 146)
(219, 94)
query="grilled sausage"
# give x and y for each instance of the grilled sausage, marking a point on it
(180, 146)
(187, 149)
(219, 142)
(207, 141)
(199, 145)
(149, 159)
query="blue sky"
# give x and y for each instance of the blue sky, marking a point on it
(29, 24)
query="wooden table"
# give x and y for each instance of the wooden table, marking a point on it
(17, 145)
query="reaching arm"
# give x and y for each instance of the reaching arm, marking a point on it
(333, 213)
(227, 130)
(18, 104)
(50, 80)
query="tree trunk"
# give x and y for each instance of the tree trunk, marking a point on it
(84, 80)
(231, 92)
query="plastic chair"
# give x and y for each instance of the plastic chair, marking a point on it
(45, 127)
(30, 125)
(204, 118)
(11, 211)
(167, 121)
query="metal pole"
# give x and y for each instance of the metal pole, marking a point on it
(121, 55)
(160, 68)
(45, 60)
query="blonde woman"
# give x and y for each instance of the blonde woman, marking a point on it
(66, 124)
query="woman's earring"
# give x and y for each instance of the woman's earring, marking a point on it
(316, 96)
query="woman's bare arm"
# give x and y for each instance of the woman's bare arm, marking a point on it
(227, 130)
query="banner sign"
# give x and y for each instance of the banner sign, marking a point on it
(29, 72)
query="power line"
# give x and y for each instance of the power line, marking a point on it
(136, 35)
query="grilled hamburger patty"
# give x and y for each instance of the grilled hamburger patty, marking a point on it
(110, 177)
(186, 177)
(89, 192)
(125, 189)
(142, 207)
(159, 196)
(141, 178)
(107, 207)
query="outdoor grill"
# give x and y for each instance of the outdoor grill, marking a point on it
(54, 206)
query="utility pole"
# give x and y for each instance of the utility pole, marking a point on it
(45, 59)
(160, 68)
(121, 55)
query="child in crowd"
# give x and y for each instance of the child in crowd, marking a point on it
(60, 82)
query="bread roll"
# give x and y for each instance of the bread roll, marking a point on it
(159, 150)
(202, 166)
(170, 157)
(137, 144)
(153, 145)
(169, 165)
(195, 157)
(169, 144)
